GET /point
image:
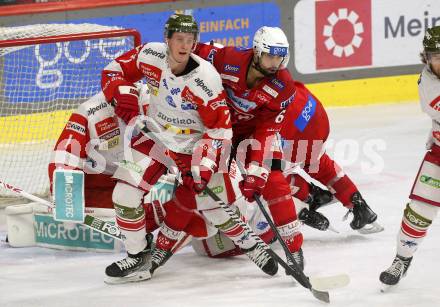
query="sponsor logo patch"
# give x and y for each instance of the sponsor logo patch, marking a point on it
(106, 125)
(210, 57)
(229, 77)
(433, 182)
(175, 91)
(231, 68)
(170, 101)
(200, 83)
(284, 104)
(188, 96)
(278, 83)
(76, 127)
(270, 91)
(176, 120)
(188, 106)
(155, 53)
(153, 75)
(240, 103)
(93, 110)
(306, 114)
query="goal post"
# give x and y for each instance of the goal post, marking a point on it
(46, 71)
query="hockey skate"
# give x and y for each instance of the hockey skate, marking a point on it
(364, 219)
(262, 259)
(318, 197)
(314, 219)
(158, 258)
(397, 270)
(299, 259)
(132, 268)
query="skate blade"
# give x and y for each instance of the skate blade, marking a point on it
(374, 227)
(329, 282)
(138, 276)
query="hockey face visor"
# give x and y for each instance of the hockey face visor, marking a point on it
(279, 51)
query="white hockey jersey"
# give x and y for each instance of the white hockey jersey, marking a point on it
(182, 109)
(429, 92)
(93, 138)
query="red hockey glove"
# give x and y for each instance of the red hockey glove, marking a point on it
(127, 102)
(250, 186)
(205, 176)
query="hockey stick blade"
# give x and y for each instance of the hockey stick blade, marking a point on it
(103, 227)
(329, 282)
(319, 294)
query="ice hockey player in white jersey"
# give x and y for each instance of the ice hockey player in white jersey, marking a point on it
(188, 115)
(425, 194)
(93, 141)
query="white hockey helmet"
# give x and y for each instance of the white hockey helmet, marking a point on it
(272, 40)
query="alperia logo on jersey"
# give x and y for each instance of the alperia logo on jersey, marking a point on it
(93, 110)
(202, 84)
(155, 53)
(430, 181)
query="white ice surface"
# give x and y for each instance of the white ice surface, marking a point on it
(44, 277)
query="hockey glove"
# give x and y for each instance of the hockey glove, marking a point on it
(205, 176)
(126, 98)
(252, 185)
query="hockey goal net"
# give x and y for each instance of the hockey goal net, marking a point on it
(46, 71)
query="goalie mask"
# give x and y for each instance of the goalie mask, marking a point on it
(273, 41)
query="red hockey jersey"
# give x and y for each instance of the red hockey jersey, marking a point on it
(256, 112)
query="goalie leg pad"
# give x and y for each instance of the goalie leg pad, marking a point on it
(20, 223)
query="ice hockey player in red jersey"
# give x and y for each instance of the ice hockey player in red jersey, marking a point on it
(190, 120)
(92, 141)
(425, 195)
(304, 133)
(259, 88)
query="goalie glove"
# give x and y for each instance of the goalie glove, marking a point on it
(126, 98)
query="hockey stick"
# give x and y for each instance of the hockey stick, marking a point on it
(90, 221)
(300, 277)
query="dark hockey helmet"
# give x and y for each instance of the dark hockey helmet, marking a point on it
(431, 41)
(181, 23)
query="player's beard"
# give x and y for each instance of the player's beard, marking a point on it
(263, 71)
